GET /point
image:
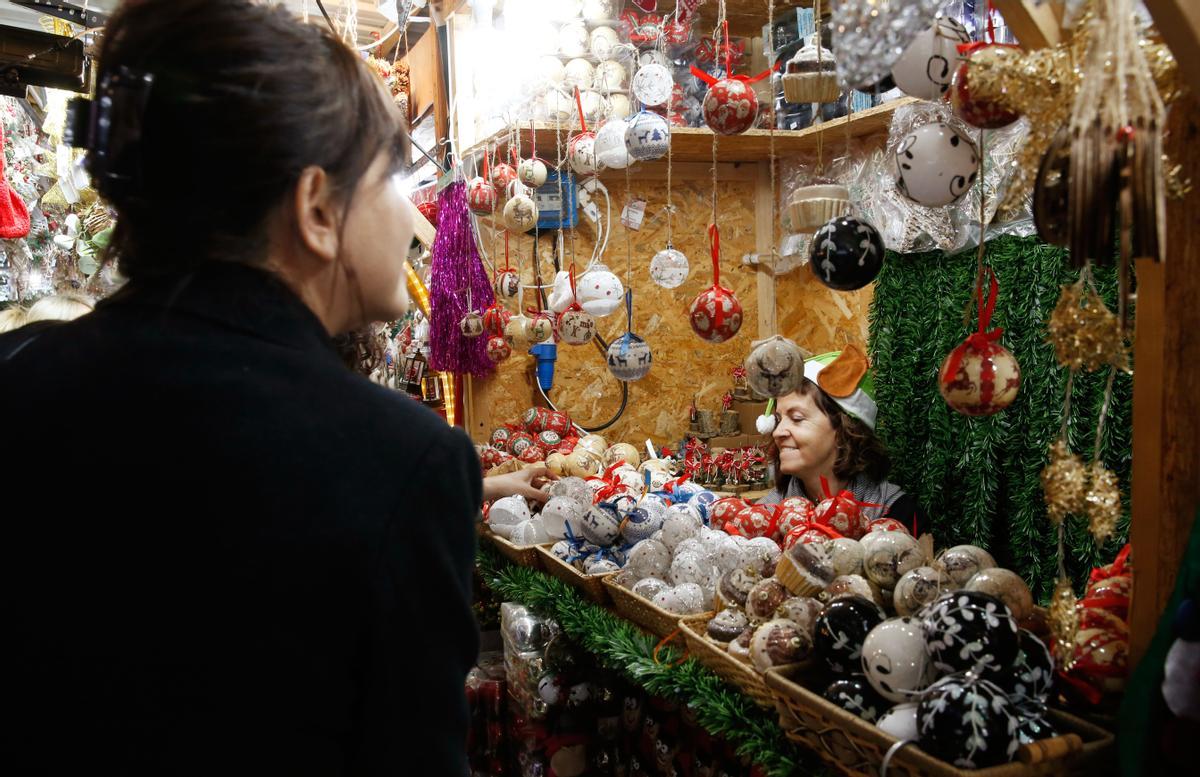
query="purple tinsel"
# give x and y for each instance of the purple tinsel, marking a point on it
(455, 268)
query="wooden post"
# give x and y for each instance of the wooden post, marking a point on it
(1166, 395)
(1178, 21)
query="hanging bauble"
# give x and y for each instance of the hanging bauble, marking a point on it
(508, 284)
(502, 175)
(926, 68)
(576, 326)
(986, 114)
(935, 164)
(599, 10)
(629, 358)
(872, 34)
(653, 57)
(481, 195)
(516, 331)
(520, 212)
(846, 253)
(531, 172)
(498, 349)
(429, 209)
(810, 76)
(979, 377)
(652, 84)
(669, 267)
(619, 106)
(715, 313)
(573, 39)
(730, 106)
(811, 207)
(968, 721)
(970, 631)
(602, 41)
(610, 147)
(471, 325)
(599, 292)
(648, 136)
(775, 367)
(610, 75)
(540, 328)
(495, 319)
(581, 153)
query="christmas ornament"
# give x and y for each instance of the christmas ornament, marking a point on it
(894, 660)
(557, 105)
(1008, 587)
(936, 164)
(539, 328)
(855, 695)
(599, 10)
(471, 325)
(811, 207)
(917, 588)
(842, 627)
(495, 319)
(962, 562)
(481, 195)
(811, 75)
(889, 555)
(774, 367)
(1064, 483)
(978, 112)
(599, 291)
(456, 271)
(778, 643)
(428, 209)
(1064, 618)
(968, 721)
(520, 212)
(981, 377)
(629, 357)
(969, 631)
(872, 34)
(498, 349)
(846, 254)
(516, 331)
(1030, 679)
(730, 106)
(652, 84)
(508, 284)
(601, 43)
(619, 106)
(648, 136)
(601, 524)
(1103, 502)
(610, 75)
(573, 39)
(609, 148)
(581, 153)
(503, 174)
(576, 326)
(716, 314)
(900, 722)
(669, 267)
(926, 68)
(644, 31)
(531, 172)
(548, 73)
(1084, 332)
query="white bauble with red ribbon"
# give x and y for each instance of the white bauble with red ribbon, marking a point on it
(980, 376)
(576, 326)
(715, 314)
(581, 153)
(532, 172)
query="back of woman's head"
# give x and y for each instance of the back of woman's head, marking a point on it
(244, 97)
(59, 307)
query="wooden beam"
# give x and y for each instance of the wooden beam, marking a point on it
(1178, 21)
(1036, 25)
(1166, 406)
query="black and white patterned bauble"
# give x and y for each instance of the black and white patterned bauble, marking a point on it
(856, 696)
(1029, 679)
(926, 68)
(841, 628)
(936, 164)
(969, 722)
(1035, 726)
(846, 253)
(970, 631)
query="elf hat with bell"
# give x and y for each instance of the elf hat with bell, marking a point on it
(846, 377)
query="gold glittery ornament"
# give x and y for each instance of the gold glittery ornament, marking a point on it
(1103, 502)
(1064, 483)
(1064, 620)
(1084, 332)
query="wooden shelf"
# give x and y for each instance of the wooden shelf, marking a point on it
(694, 144)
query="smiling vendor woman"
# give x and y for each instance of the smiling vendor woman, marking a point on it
(826, 428)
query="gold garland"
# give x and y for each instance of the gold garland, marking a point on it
(1084, 332)
(1064, 483)
(1103, 501)
(1064, 619)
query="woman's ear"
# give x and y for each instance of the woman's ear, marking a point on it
(316, 214)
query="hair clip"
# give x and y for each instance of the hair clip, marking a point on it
(110, 127)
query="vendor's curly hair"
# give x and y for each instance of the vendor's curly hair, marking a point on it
(859, 450)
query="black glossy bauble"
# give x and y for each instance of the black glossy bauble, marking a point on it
(1031, 676)
(846, 253)
(970, 631)
(855, 695)
(1035, 727)
(841, 628)
(968, 721)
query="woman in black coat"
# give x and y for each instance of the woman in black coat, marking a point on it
(226, 553)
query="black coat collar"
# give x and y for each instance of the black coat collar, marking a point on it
(247, 299)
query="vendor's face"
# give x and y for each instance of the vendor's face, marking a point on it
(805, 437)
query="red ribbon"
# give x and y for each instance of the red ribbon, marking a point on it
(714, 236)
(487, 154)
(712, 80)
(672, 484)
(1114, 569)
(991, 24)
(609, 473)
(828, 531)
(579, 105)
(847, 495)
(979, 341)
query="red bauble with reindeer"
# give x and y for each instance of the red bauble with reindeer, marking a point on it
(715, 313)
(730, 106)
(502, 175)
(981, 377)
(985, 114)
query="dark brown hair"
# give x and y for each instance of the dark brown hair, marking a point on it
(245, 97)
(859, 451)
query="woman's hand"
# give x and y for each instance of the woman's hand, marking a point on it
(527, 482)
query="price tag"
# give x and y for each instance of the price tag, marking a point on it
(633, 214)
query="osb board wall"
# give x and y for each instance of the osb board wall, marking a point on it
(684, 365)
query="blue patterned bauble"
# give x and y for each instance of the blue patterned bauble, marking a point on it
(601, 524)
(640, 524)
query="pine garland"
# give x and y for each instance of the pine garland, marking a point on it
(626, 649)
(979, 478)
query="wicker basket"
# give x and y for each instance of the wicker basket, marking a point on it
(521, 555)
(856, 747)
(737, 673)
(590, 586)
(815, 87)
(632, 607)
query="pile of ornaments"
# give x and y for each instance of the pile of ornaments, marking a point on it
(541, 434)
(1094, 663)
